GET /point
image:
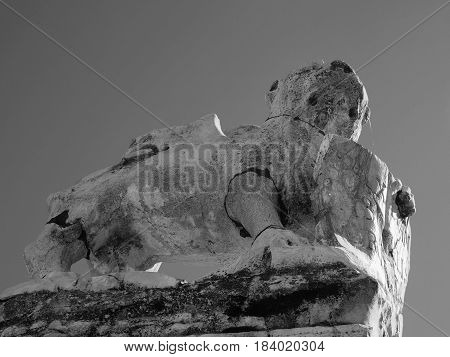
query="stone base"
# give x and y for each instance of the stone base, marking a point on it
(355, 330)
(309, 300)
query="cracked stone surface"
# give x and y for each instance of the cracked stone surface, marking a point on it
(229, 304)
(318, 243)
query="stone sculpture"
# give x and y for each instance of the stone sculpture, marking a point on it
(296, 198)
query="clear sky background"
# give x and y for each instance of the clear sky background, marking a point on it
(59, 122)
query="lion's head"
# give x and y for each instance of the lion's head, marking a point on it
(330, 98)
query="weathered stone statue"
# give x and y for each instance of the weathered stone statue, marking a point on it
(294, 209)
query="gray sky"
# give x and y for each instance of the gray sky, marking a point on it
(60, 122)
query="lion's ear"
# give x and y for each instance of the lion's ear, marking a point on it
(366, 117)
(270, 95)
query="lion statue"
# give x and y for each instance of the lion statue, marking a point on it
(195, 193)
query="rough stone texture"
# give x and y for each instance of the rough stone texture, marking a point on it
(56, 249)
(72, 281)
(320, 238)
(316, 331)
(232, 304)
